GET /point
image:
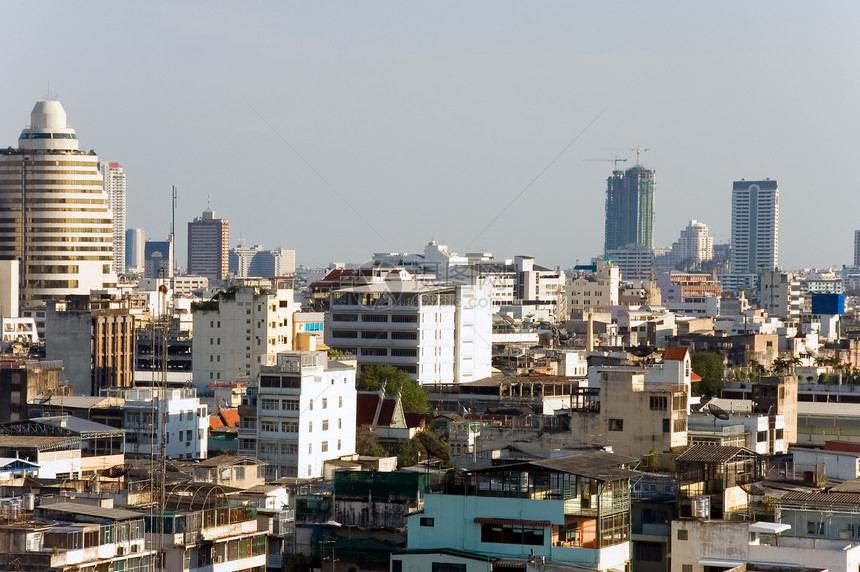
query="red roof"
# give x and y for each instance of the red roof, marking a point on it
(675, 354)
(224, 418)
(367, 404)
(114, 166)
(695, 376)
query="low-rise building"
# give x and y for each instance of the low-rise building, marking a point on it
(567, 511)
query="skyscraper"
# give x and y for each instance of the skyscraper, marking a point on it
(209, 246)
(857, 249)
(630, 209)
(66, 247)
(755, 226)
(694, 245)
(134, 250)
(114, 185)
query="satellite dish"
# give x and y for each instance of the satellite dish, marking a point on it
(433, 446)
(718, 411)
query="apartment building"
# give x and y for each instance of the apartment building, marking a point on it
(435, 332)
(571, 511)
(239, 330)
(300, 413)
(593, 289)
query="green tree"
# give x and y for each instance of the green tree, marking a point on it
(709, 366)
(366, 443)
(391, 380)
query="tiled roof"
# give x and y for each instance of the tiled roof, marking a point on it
(675, 354)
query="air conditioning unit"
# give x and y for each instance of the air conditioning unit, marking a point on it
(120, 550)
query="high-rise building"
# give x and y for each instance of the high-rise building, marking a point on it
(114, 184)
(630, 209)
(694, 244)
(67, 246)
(755, 226)
(158, 258)
(857, 249)
(135, 250)
(209, 246)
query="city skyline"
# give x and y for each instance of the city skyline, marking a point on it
(411, 106)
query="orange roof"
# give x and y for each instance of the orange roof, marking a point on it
(675, 354)
(695, 376)
(224, 418)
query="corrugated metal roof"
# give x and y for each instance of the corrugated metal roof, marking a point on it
(72, 508)
(599, 465)
(821, 498)
(512, 522)
(712, 453)
(828, 409)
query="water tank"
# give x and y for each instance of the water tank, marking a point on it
(702, 507)
(29, 501)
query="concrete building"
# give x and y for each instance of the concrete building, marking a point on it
(755, 231)
(246, 261)
(209, 246)
(24, 382)
(9, 288)
(135, 252)
(239, 330)
(68, 247)
(148, 414)
(694, 246)
(69, 537)
(570, 512)
(435, 332)
(677, 286)
(780, 294)
(593, 289)
(301, 414)
(703, 545)
(94, 337)
(857, 249)
(633, 261)
(630, 209)
(113, 178)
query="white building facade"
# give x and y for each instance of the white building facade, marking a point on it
(300, 414)
(113, 178)
(241, 330)
(435, 332)
(755, 227)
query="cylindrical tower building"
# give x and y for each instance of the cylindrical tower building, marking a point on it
(54, 213)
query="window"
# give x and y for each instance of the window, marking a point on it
(340, 401)
(325, 425)
(324, 447)
(649, 551)
(686, 568)
(512, 534)
(397, 566)
(339, 423)
(667, 426)
(815, 528)
(447, 567)
(616, 424)
(658, 402)
(338, 444)
(325, 403)
(310, 426)
(310, 405)
(310, 451)
(427, 521)
(682, 534)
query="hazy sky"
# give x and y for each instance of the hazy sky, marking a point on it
(430, 118)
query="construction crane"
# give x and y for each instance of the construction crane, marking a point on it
(614, 161)
(638, 149)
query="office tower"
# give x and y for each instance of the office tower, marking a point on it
(114, 184)
(135, 250)
(209, 246)
(67, 247)
(755, 226)
(630, 209)
(857, 249)
(158, 258)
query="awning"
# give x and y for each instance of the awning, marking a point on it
(769, 527)
(721, 562)
(512, 522)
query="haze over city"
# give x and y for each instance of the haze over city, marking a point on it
(431, 119)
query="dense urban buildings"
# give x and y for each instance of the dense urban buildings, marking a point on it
(209, 246)
(68, 246)
(630, 209)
